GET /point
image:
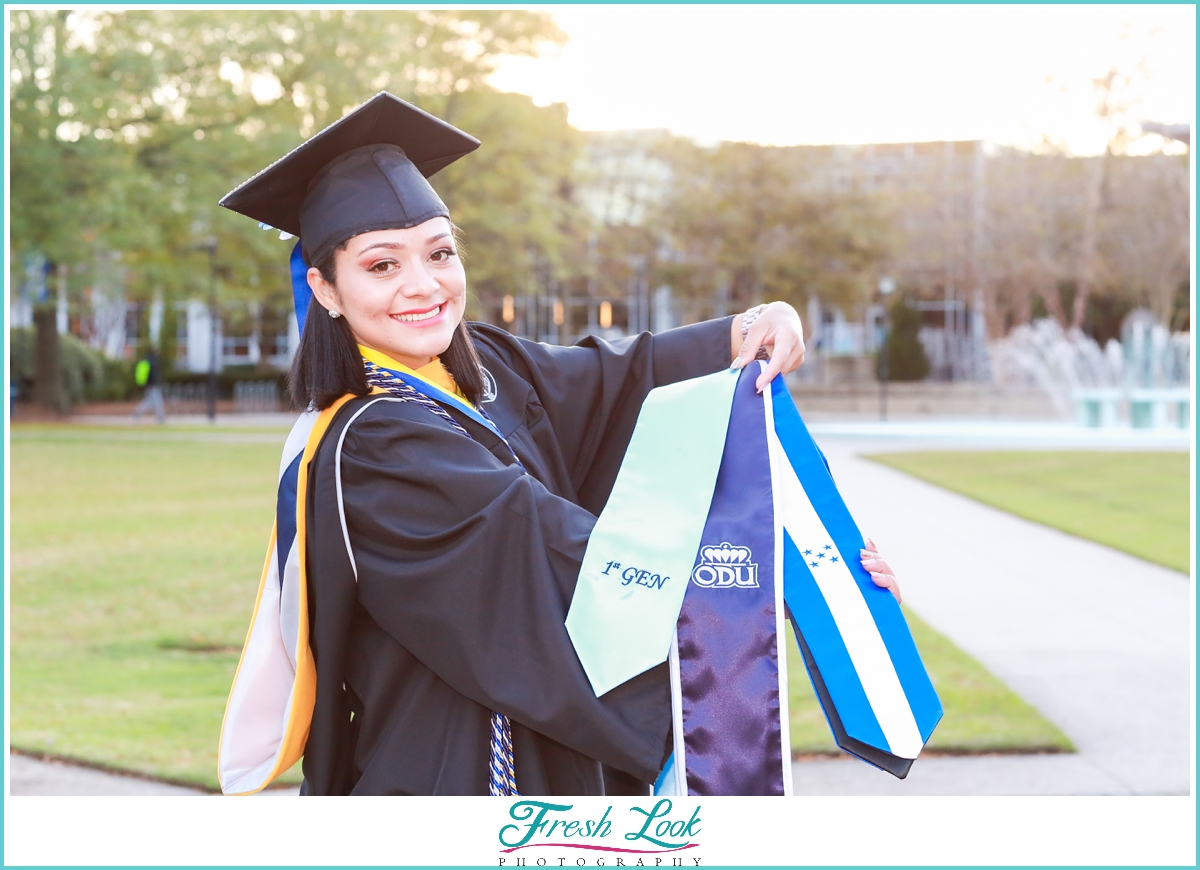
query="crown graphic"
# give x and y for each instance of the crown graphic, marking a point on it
(726, 554)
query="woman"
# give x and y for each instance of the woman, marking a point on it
(450, 498)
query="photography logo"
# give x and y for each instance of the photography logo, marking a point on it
(639, 837)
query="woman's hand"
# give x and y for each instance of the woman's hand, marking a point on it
(880, 571)
(777, 329)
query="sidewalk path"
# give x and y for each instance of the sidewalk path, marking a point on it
(282, 420)
(1067, 774)
(32, 776)
(1097, 640)
(998, 434)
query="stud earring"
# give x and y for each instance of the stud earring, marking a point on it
(335, 314)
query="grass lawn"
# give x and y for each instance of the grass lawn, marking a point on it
(136, 555)
(1136, 502)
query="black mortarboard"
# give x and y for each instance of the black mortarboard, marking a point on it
(364, 172)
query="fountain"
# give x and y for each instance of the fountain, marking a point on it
(1157, 372)
(1143, 380)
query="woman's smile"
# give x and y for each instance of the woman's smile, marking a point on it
(422, 317)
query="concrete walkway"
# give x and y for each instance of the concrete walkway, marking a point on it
(998, 434)
(282, 420)
(33, 776)
(1097, 640)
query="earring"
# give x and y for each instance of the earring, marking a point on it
(335, 314)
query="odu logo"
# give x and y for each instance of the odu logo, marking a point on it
(724, 566)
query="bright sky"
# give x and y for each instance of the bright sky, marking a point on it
(786, 75)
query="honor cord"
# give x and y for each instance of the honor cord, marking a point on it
(502, 780)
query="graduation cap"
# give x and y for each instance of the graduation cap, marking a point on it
(362, 173)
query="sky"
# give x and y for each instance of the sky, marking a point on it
(787, 75)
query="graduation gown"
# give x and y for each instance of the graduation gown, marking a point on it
(466, 566)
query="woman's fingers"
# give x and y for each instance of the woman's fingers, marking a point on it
(880, 571)
(779, 357)
(788, 345)
(787, 353)
(755, 338)
(778, 330)
(888, 582)
(797, 358)
(872, 562)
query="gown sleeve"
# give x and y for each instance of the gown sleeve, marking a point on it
(470, 565)
(591, 392)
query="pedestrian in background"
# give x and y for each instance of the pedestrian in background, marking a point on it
(148, 374)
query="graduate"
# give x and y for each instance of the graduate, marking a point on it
(449, 488)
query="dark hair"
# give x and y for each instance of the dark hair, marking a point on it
(328, 364)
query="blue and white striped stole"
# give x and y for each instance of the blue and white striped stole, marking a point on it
(860, 655)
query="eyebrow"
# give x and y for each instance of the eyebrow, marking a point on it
(397, 246)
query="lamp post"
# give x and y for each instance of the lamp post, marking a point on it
(886, 287)
(639, 305)
(210, 244)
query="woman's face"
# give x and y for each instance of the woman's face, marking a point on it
(402, 292)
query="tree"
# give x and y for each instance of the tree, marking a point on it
(1034, 221)
(903, 352)
(762, 216)
(1145, 234)
(1119, 95)
(515, 195)
(127, 127)
(1113, 107)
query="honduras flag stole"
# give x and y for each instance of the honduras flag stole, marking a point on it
(776, 542)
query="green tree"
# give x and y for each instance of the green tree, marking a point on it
(766, 218)
(514, 197)
(127, 127)
(903, 354)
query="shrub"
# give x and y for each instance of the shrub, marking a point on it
(86, 374)
(906, 357)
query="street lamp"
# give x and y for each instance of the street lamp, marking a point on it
(886, 287)
(210, 244)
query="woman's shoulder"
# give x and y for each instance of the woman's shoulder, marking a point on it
(495, 344)
(373, 423)
(528, 360)
(374, 407)
(506, 362)
(386, 429)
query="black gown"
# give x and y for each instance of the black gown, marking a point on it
(466, 568)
